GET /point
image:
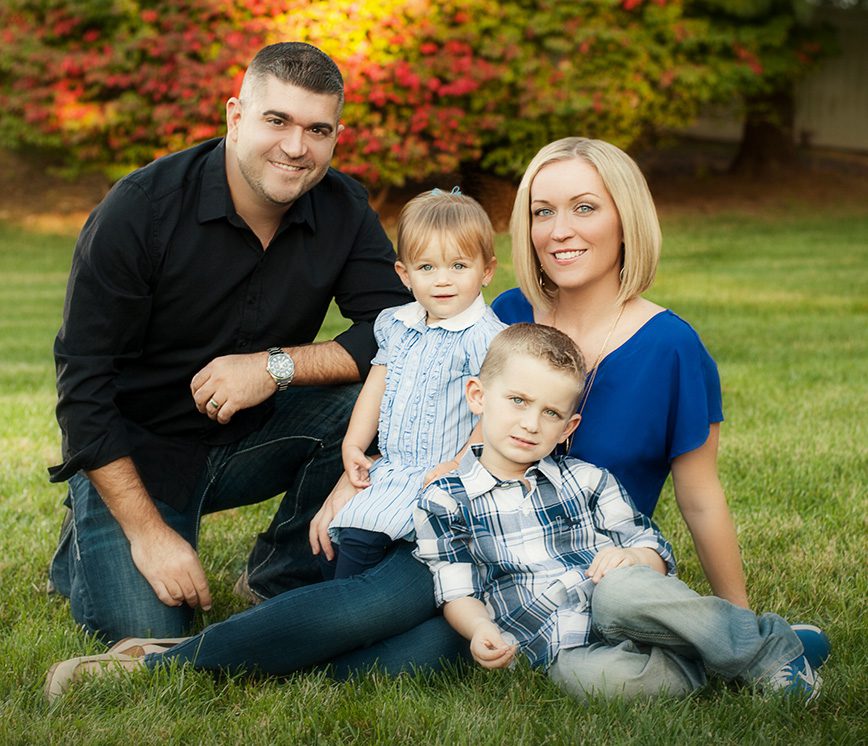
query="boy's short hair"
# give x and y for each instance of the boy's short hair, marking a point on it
(296, 63)
(438, 213)
(539, 341)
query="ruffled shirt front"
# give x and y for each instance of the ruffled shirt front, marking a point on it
(424, 419)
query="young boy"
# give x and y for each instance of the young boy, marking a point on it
(547, 555)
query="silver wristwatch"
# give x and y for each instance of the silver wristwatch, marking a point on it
(280, 367)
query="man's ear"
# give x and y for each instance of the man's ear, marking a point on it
(233, 114)
(403, 274)
(338, 132)
(474, 394)
(570, 427)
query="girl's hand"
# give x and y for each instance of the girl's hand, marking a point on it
(489, 649)
(356, 466)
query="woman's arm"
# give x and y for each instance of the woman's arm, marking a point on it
(703, 506)
(363, 427)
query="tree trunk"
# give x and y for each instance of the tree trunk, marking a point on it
(767, 144)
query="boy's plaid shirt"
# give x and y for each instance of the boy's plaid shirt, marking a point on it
(524, 553)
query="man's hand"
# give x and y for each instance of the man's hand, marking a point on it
(172, 568)
(318, 534)
(612, 557)
(231, 383)
(488, 647)
(356, 466)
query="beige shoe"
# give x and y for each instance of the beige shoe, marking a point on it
(243, 590)
(61, 675)
(137, 647)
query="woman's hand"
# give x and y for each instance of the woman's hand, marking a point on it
(439, 470)
(318, 534)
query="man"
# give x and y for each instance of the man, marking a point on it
(186, 379)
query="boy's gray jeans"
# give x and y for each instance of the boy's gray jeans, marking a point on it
(659, 636)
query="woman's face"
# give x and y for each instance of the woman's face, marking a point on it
(575, 228)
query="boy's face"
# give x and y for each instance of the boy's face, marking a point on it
(527, 409)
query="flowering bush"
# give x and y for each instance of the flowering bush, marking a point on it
(429, 85)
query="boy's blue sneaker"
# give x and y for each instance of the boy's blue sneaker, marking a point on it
(815, 643)
(797, 678)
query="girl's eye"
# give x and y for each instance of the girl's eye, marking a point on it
(426, 267)
(459, 265)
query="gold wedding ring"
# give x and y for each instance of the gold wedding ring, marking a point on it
(214, 404)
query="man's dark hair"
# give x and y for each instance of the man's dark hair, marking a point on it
(296, 63)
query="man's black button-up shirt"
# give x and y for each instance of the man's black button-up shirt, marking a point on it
(166, 276)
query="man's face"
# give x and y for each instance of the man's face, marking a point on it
(281, 140)
(527, 409)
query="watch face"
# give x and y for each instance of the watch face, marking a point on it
(281, 366)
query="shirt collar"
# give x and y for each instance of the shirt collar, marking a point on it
(413, 315)
(215, 199)
(477, 480)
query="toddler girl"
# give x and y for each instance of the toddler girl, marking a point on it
(414, 395)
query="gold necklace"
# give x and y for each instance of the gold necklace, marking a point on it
(597, 362)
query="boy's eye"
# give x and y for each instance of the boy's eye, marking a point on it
(552, 413)
(517, 400)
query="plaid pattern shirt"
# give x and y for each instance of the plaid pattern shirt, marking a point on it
(524, 552)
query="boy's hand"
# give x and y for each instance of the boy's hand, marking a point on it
(489, 649)
(612, 557)
(356, 466)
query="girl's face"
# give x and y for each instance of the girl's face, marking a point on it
(444, 281)
(575, 228)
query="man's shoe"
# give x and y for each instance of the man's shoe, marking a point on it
(798, 679)
(61, 675)
(243, 590)
(815, 643)
(138, 647)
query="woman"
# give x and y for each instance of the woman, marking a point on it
(585, 245)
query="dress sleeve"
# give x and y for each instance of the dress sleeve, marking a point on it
(442, 542)
(696, 401)
(382, 328)
(486, 329)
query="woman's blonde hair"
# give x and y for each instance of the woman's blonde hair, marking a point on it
(438, 213)
(629, 191)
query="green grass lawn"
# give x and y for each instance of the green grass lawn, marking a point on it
(780, 303)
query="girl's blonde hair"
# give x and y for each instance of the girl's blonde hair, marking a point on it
(438, 213)
(629, 191)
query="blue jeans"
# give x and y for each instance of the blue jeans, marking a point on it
(385, 616)
(297, 452)
(655, 635)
